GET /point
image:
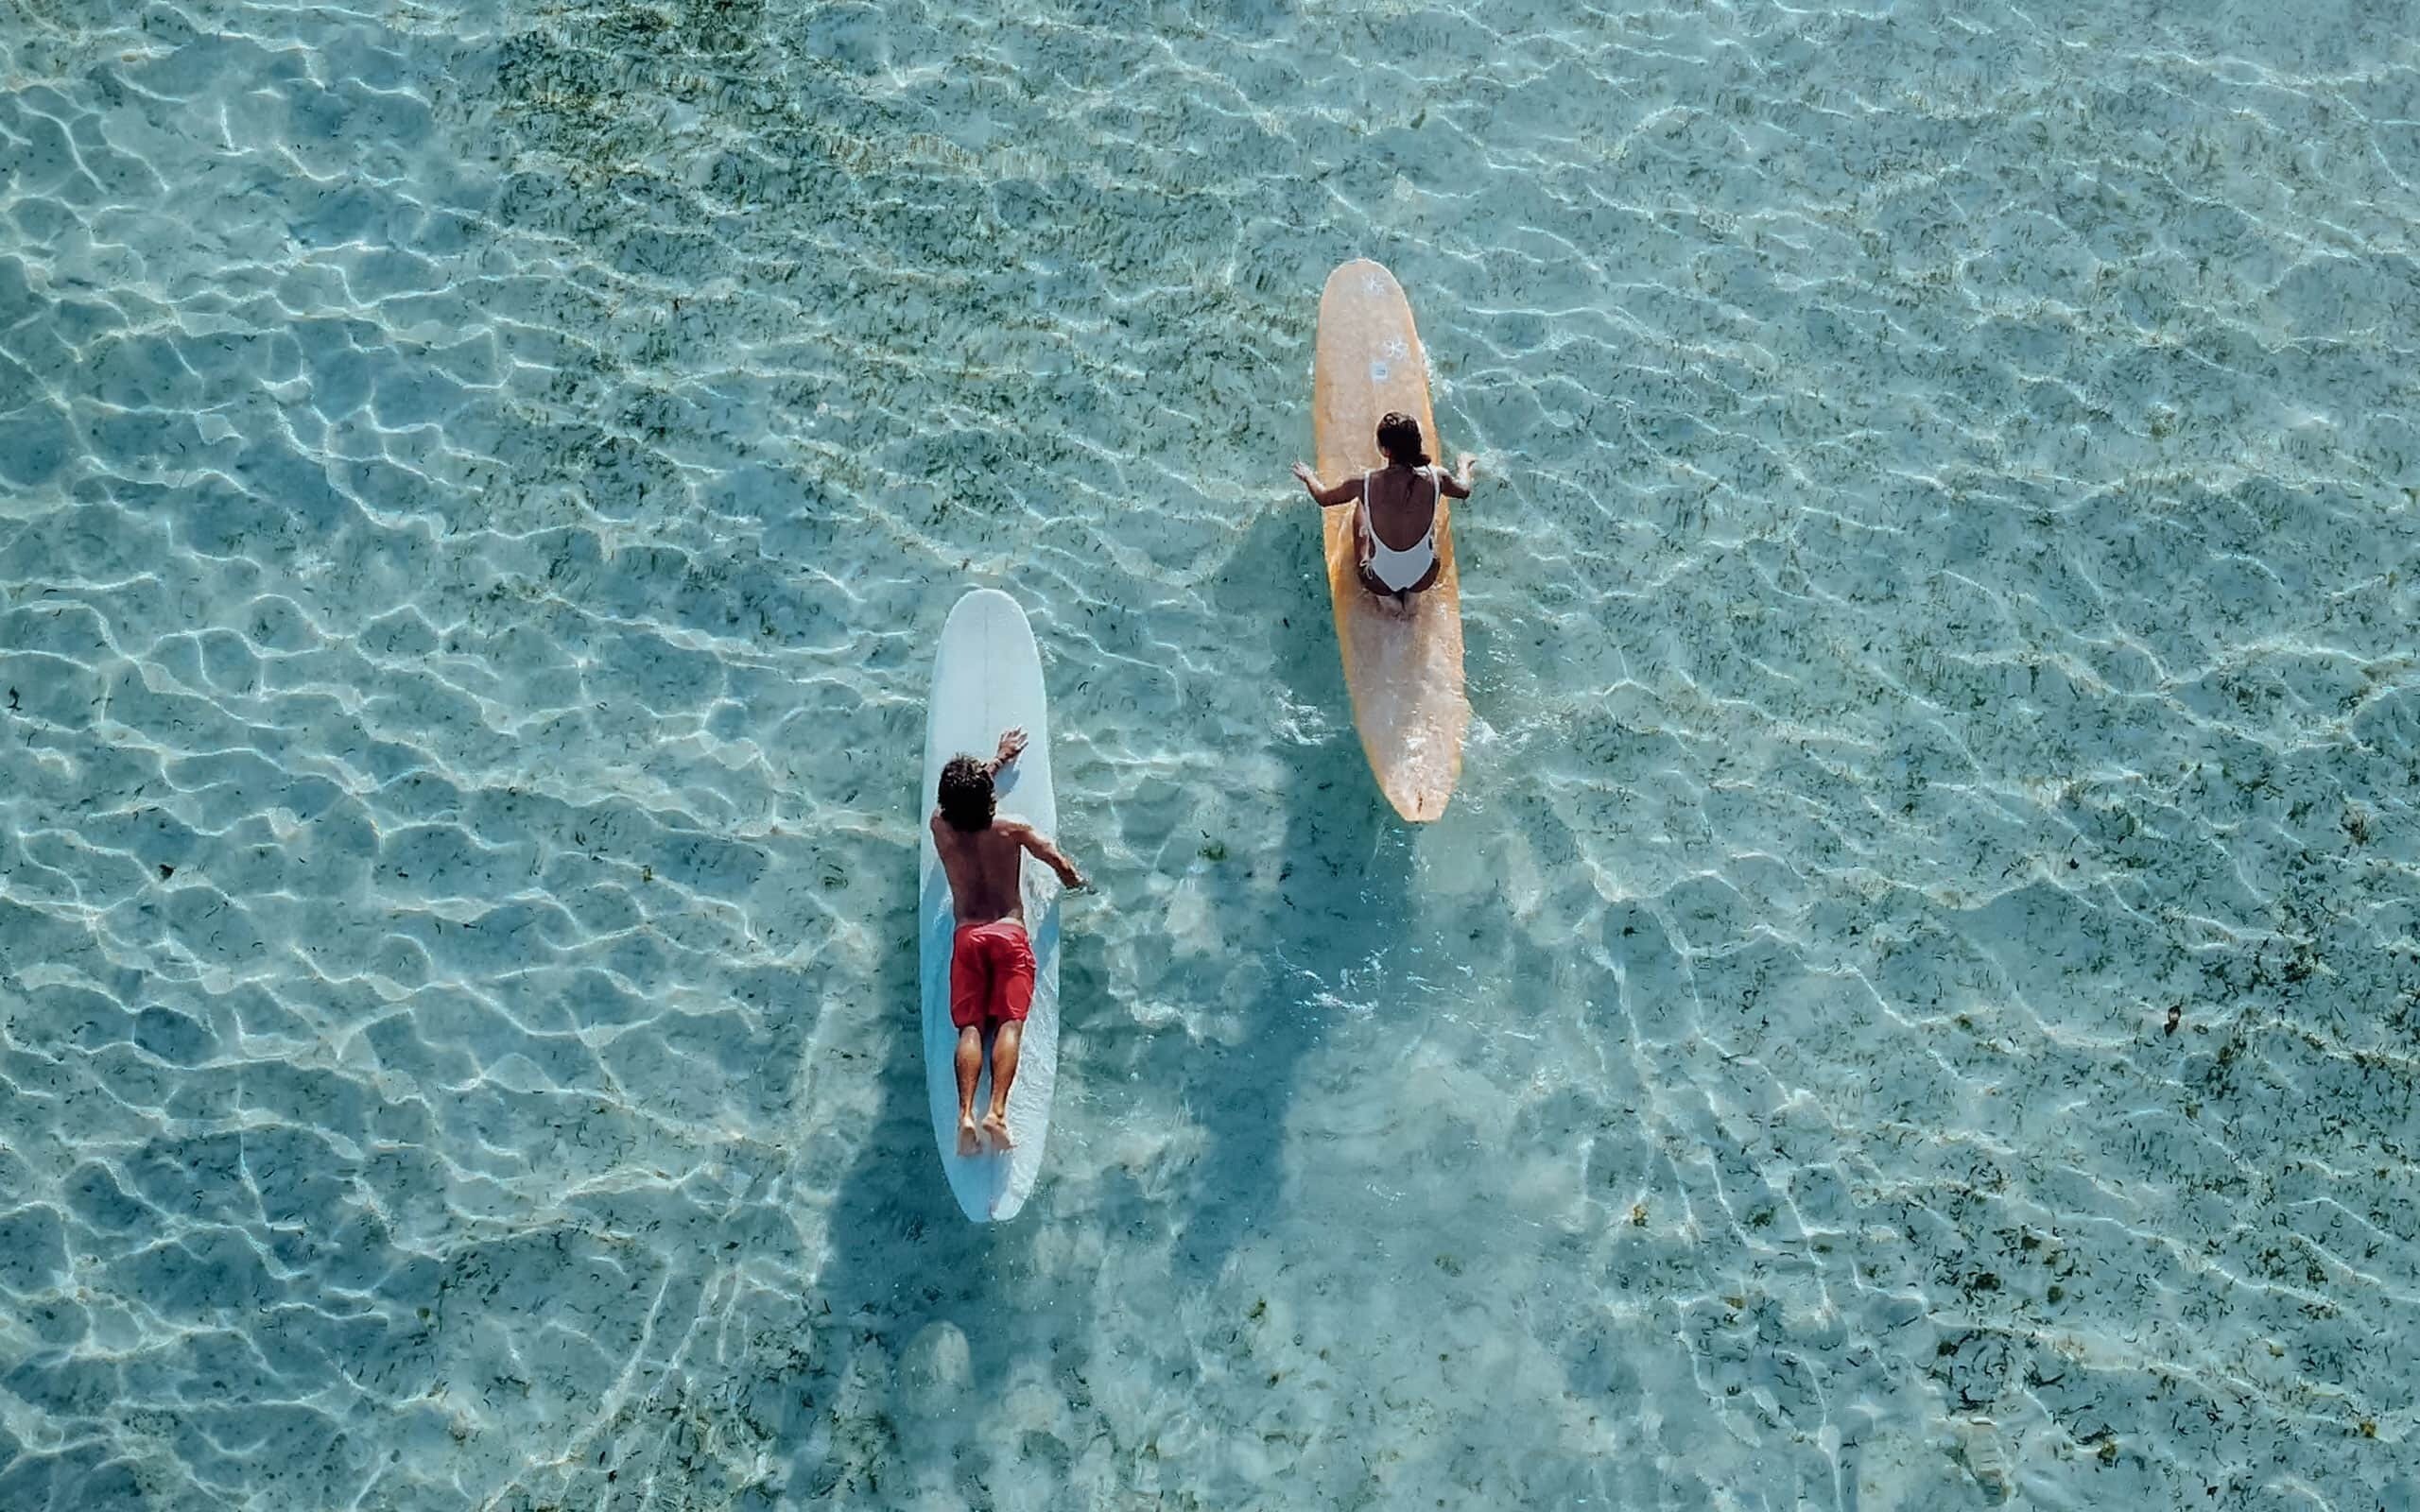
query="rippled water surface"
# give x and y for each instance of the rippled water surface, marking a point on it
(1916, 1004)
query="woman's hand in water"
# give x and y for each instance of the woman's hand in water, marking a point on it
(1308, 478)
(1467, 464)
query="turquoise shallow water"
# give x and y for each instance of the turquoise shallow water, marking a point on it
(478, 485)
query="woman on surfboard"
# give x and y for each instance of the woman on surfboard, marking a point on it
(1396, 524)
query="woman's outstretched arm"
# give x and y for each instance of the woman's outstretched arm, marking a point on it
(1345, 493)
(1458, 488)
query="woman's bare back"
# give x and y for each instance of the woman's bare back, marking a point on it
(1402, 504)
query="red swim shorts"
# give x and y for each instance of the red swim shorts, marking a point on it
(991, 974)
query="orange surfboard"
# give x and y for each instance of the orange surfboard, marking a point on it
(1405, 673)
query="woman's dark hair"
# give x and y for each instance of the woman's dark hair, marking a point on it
(1399, 438)
(966, 794)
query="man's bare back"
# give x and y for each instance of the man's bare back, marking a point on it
(983, 866)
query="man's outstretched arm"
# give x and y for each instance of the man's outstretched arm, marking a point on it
(1049, 855)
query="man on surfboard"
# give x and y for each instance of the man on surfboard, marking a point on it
(991, 961)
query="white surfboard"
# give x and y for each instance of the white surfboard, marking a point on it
(987, 678)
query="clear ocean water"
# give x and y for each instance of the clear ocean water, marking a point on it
(1915, 1005)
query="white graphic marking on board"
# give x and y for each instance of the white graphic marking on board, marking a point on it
(1378, 373)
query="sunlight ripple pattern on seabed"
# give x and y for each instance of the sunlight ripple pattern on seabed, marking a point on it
(1916, 1003)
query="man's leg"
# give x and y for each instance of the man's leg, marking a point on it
(970, 983)
(1004, 1071)
(1013, 980)
(970, 1067)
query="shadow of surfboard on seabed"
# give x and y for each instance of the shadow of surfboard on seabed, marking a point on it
(1342, 897)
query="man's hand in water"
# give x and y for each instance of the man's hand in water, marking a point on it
(1011, 746)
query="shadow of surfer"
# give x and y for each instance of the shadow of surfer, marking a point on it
(901, 1269)
(992, 958)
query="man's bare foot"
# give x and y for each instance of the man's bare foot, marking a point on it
(967, 1143)
(995, 1129)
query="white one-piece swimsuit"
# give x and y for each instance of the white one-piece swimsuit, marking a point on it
(1402, 570)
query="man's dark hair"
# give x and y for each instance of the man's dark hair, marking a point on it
(1399, 438)
(966, 794)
